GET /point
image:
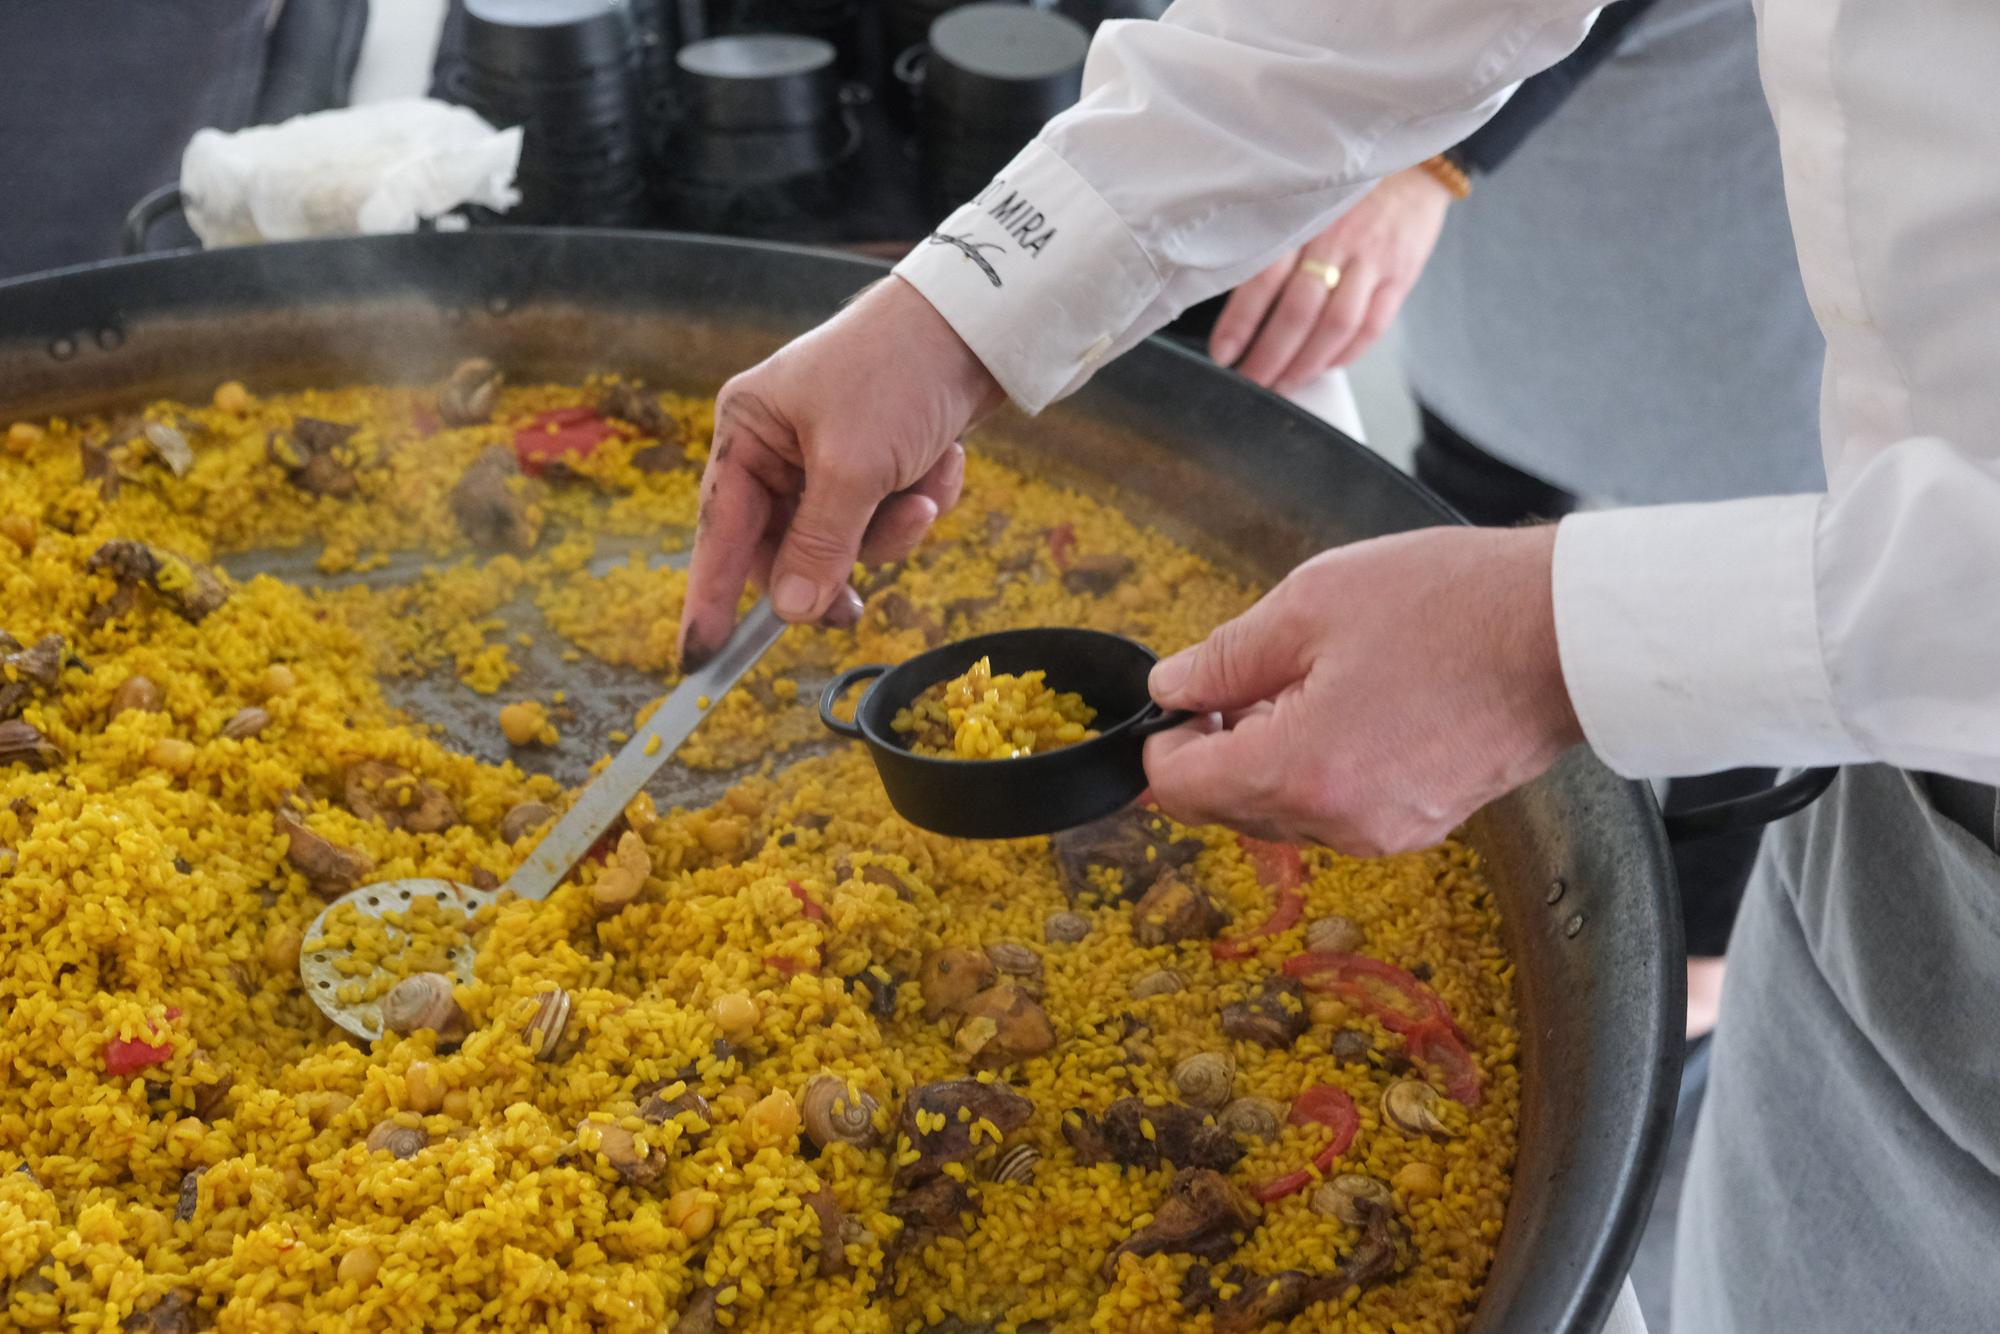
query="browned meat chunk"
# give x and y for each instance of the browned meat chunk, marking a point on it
(490, 506)
(1175, 909)
(315, 456)
(1120, 842)
(951, 977)
(1202, 1212)
(1274, 1017)
(1001, 1025)
(191, 589)
(639, 406)
(698, 1316)
(1382, 1252)
(172, 1314)
(190, 1196)
(330, 870)
(1183, 1136)
(1005, 1110)
(935, 1207)
(396, 797)
(27, 671)
(891, 609)
(24, 741)
(837, 1231)
(1097, 575)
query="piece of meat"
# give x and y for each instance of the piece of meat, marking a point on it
(698, 1315)
(191, 589)
(24, 741)
(314, 456)
(173, 1314)
(879, 991)
(1005, 1110)
(1120, 842)
(1097, 575)
(1183, 1136)
(330, 870)
(951, 977)
(394, 796)
(639, 406)
(25, 672)
(1273, 1018)
(1200, 1216)
(1175, 909)
(838, 1230)
(893, 610)
(1382, 1253)
(1001, 1025)
(490, 505)
(936, 1207)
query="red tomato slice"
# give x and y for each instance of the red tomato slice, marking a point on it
(1281, 866)
(1062, 541)
(1438, 1050)
(813, 912)
(577, 433)
(1402, 1003)
(124, 1057)
(1323, 1104)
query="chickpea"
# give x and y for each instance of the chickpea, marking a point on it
(172, 754)
(281, 947)
(1418, 1181)
(523, 723)
(326, 1108)
(458, 1105)
(735, 1013)
(691, 1212)
(231, 396)
(21, 530)
(24, 436)
(423, 1087)
(773, 1120)
(279, 680)
(359, 1266)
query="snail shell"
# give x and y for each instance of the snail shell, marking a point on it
(1065, 928)
(1334, 935)
(830, 1114)
(1205, 1079)
(1014, 959)
(424, 1000)
(1412, 1107)
(1016, 1166)
(401, 1141)
(545, 1028)
(1164, 982)
(1353, 1199)
(1257, 1118)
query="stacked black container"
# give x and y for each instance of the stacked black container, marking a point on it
(762, 134)
(995, 73)
(836, 21)
(567, 72)
(907, 22)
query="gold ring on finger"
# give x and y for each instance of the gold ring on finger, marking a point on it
(1320, 269)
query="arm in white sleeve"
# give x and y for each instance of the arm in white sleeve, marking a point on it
(1205, 144)
(1860, 625)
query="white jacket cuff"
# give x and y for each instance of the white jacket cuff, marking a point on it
(1690, 638)
(1038, 275)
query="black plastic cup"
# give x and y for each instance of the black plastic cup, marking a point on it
(759, 81)
(1002, 65)
(1036, 794)
(758, 156)
(546, 39)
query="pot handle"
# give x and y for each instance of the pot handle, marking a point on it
(839, 686)
(1153, 719)
(1741, 814)
(140, 219)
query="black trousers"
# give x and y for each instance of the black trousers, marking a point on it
(1712, 871)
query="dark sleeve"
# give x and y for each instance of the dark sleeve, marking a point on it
(1537, 98)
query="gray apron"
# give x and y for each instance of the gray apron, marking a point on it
(1846, 1168)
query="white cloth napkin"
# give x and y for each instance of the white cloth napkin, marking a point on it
(374, 168)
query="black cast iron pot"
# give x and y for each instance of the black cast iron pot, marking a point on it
(1035, 794)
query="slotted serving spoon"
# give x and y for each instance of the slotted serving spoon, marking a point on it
(600, 805)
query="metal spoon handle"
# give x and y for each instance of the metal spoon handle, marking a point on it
(605, 799)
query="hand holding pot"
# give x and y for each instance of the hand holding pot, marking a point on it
(1374, 699)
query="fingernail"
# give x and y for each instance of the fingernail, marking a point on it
(695, 651)
(845, 611)
(1170, 675)
(1227, 350)
(795, 596)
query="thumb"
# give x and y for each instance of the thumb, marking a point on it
(1243, 661)
(820, 544)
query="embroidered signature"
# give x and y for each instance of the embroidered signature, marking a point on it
(972, 251)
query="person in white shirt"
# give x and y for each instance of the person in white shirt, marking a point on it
(1847, 1170)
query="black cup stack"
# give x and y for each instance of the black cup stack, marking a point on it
(994, 75)
(567, 72)
(762, 135)
(906, 23)
(835, 21)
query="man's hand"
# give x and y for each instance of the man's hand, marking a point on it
(843, 443)
(1376, 697)
(1294, 327)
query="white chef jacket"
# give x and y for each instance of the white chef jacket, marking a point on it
(1861, 624)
